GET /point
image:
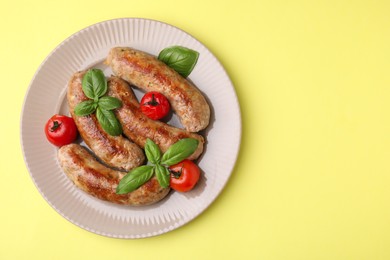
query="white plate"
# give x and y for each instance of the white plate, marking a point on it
(46, 96)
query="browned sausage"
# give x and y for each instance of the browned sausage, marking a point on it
(139, 127)
(115, 151)
(148, 73)
(100, 181)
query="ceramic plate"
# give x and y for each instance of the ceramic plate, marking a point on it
(46, 96)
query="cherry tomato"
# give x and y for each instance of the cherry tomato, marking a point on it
(155, 105)
(184, 175)
(61, 130)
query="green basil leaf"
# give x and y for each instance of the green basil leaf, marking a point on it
(109, 103)
(179, 151)
(94, 84)
(108, 121)
(134, 179)
(85, 108)
(152, 151)
(163, 176)
(179, 58)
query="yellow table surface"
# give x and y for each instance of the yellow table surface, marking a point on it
(312, 180)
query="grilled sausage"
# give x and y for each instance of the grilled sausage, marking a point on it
(115, 151)
(100, 181)
(138, 127)
(148, 73)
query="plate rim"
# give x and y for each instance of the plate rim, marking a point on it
(160, 231)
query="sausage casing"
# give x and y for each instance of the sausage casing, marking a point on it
(100, 181)
(115, 151)
(150, 74)
(138, 127)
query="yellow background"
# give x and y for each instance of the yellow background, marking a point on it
(313, 177)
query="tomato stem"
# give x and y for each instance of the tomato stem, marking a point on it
(55, 126)
(176, 174)
(152, 102)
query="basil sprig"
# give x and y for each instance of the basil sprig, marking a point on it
(179, 58)
(159, 163)
(94, 85)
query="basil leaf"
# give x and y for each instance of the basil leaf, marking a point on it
(85, 108)
(108, 121)
(94, 84)
(179, 151)
(163, 176)
(152, 152)
(109, 103)
(134, 179)
(179, 58)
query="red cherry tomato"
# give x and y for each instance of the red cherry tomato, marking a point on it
(155, 105)
(184, 175)
(61, 130)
